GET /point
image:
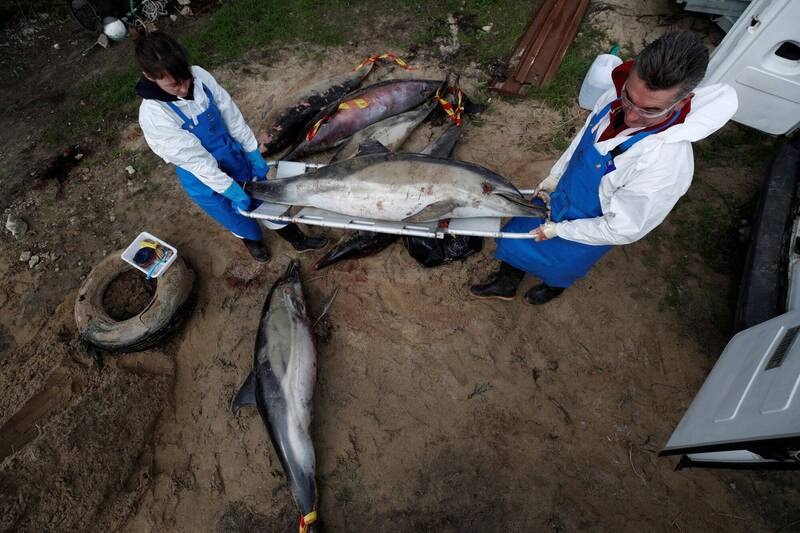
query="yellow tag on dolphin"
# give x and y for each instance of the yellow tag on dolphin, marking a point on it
(358, 102)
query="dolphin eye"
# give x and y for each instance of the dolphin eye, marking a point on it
(295, 304)
(299, 306)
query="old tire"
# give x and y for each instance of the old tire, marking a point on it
(158, 319)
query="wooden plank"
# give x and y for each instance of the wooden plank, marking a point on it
(509, 87)
(543, 72)
(531, 30)
(541, 48)
(539, 51)
(535, 28)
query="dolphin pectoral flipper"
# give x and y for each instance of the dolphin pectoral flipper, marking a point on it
(433, 212)
(246, 394)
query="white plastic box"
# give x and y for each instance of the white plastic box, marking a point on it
(160, 268)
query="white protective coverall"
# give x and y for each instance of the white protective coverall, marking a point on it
(163, 132)
(650, 177)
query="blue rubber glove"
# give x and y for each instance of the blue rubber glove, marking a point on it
(260, 167)
(237, 196)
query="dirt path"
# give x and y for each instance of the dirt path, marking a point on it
(433, 411)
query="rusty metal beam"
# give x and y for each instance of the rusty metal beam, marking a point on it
(535, 59)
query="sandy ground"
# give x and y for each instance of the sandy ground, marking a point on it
(433, 411)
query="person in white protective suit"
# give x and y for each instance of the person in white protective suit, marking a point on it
(623, 172)
(189, 120)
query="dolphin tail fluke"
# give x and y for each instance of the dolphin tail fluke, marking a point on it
(292, 271)
(309, 523)
(246, 394)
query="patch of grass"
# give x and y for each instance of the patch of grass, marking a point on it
(562, 92)
(557, 143)
(711, 230)
(507, 18)
(102, 103)
(737, 146)
(245, 24)
(231, 31)
(678, 294)
(652, 253)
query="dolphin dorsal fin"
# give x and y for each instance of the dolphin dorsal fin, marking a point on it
(246, 394)
(371, 147)
(443, 145)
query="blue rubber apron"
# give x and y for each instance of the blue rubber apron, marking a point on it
(213, 134)
(559, 262)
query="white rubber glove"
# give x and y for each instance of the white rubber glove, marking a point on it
(547, 230)
(548, 185)
(543, 190)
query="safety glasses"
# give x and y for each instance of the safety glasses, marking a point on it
(646, 113)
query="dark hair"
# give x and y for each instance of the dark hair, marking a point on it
(677, 59)
(159, 55)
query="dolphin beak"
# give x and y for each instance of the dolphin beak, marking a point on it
(292, 271)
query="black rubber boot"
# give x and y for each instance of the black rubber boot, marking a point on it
(502, 285)
(299, 240)
(542, 293)
(257, 250)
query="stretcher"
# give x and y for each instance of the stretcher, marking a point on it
(479, 227)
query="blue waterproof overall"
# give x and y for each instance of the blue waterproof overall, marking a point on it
(559, 262)
(215, 138)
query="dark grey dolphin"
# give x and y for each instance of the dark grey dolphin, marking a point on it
(362, 108)
(283, 126)
(281, 386)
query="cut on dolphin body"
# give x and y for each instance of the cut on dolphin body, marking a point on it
(281, 385)
(400, 187)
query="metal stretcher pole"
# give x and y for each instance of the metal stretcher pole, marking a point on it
(488, 227)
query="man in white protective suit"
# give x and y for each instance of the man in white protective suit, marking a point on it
(623, 172)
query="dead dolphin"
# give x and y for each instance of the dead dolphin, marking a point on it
(431, 252)
(285, 125)
(360, 244)
(391, 132)
(400, 187)
(444, 144)
(366, 243)
(281, 386)
(334, 124)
